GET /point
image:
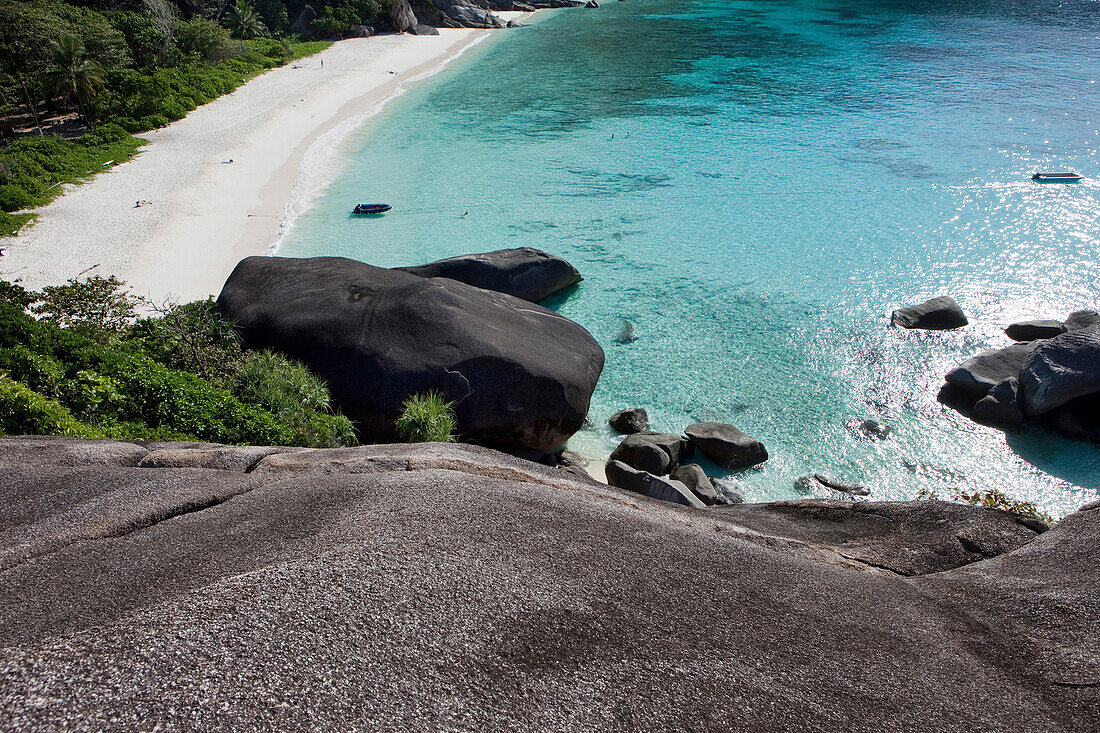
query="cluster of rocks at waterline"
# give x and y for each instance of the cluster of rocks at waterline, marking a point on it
(1052, 378)
(387, 587)
(655, 464)
(520, 376)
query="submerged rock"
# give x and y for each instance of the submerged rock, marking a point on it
(726, 445)
(519, 375)
(937, 314)
(1035, 330)
(629, 421)
(870, 429)
(626, 333)
(524, 272)
(728, 491)
(1060, 370)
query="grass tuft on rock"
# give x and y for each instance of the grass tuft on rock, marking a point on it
(427, 418)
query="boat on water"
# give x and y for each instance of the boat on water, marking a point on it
(1062, 177)
(371, 208)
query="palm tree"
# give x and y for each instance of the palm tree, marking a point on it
(73, 76)
(245, 22)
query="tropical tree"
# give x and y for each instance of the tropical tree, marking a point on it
(244, 21)
(73, 76)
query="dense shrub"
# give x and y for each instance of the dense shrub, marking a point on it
(299, 399)
(25, 412)
(97, 307)
(427, 418)
(179, 376)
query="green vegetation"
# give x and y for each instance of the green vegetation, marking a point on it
(80, 78)
(33, 168)
(87, 368)
(993, 499)
(427, 418)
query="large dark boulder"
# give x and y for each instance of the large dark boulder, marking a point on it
(1035, 330)
(643, 455)
(983, 372)
(424, 30)
(1060, 370)
(520, 375)
(629, 421)
(401, 17)
(937, 314)
(664, 488)
(524, 272)
(726, 445)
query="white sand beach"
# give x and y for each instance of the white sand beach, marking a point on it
(204, 213)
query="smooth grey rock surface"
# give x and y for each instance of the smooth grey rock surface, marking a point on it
(726, 445)
(423, 30)
(519, 374)
(629, 421)
(242, 458)
(979, 374)
(1060, 370)
(48, 450)
(937, 314)
(426, 598)
(1035, 330)
(524, 272)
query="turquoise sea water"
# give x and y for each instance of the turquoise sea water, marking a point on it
(756, 185)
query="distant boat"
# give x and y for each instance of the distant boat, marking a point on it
(1063, 177)
(371, 208)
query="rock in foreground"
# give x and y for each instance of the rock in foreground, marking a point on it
(937, 314)
(520, 375)
(524, 272)
(451, 587)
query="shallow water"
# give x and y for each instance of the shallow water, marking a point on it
(755, 186)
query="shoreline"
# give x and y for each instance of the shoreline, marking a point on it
(204, 213)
